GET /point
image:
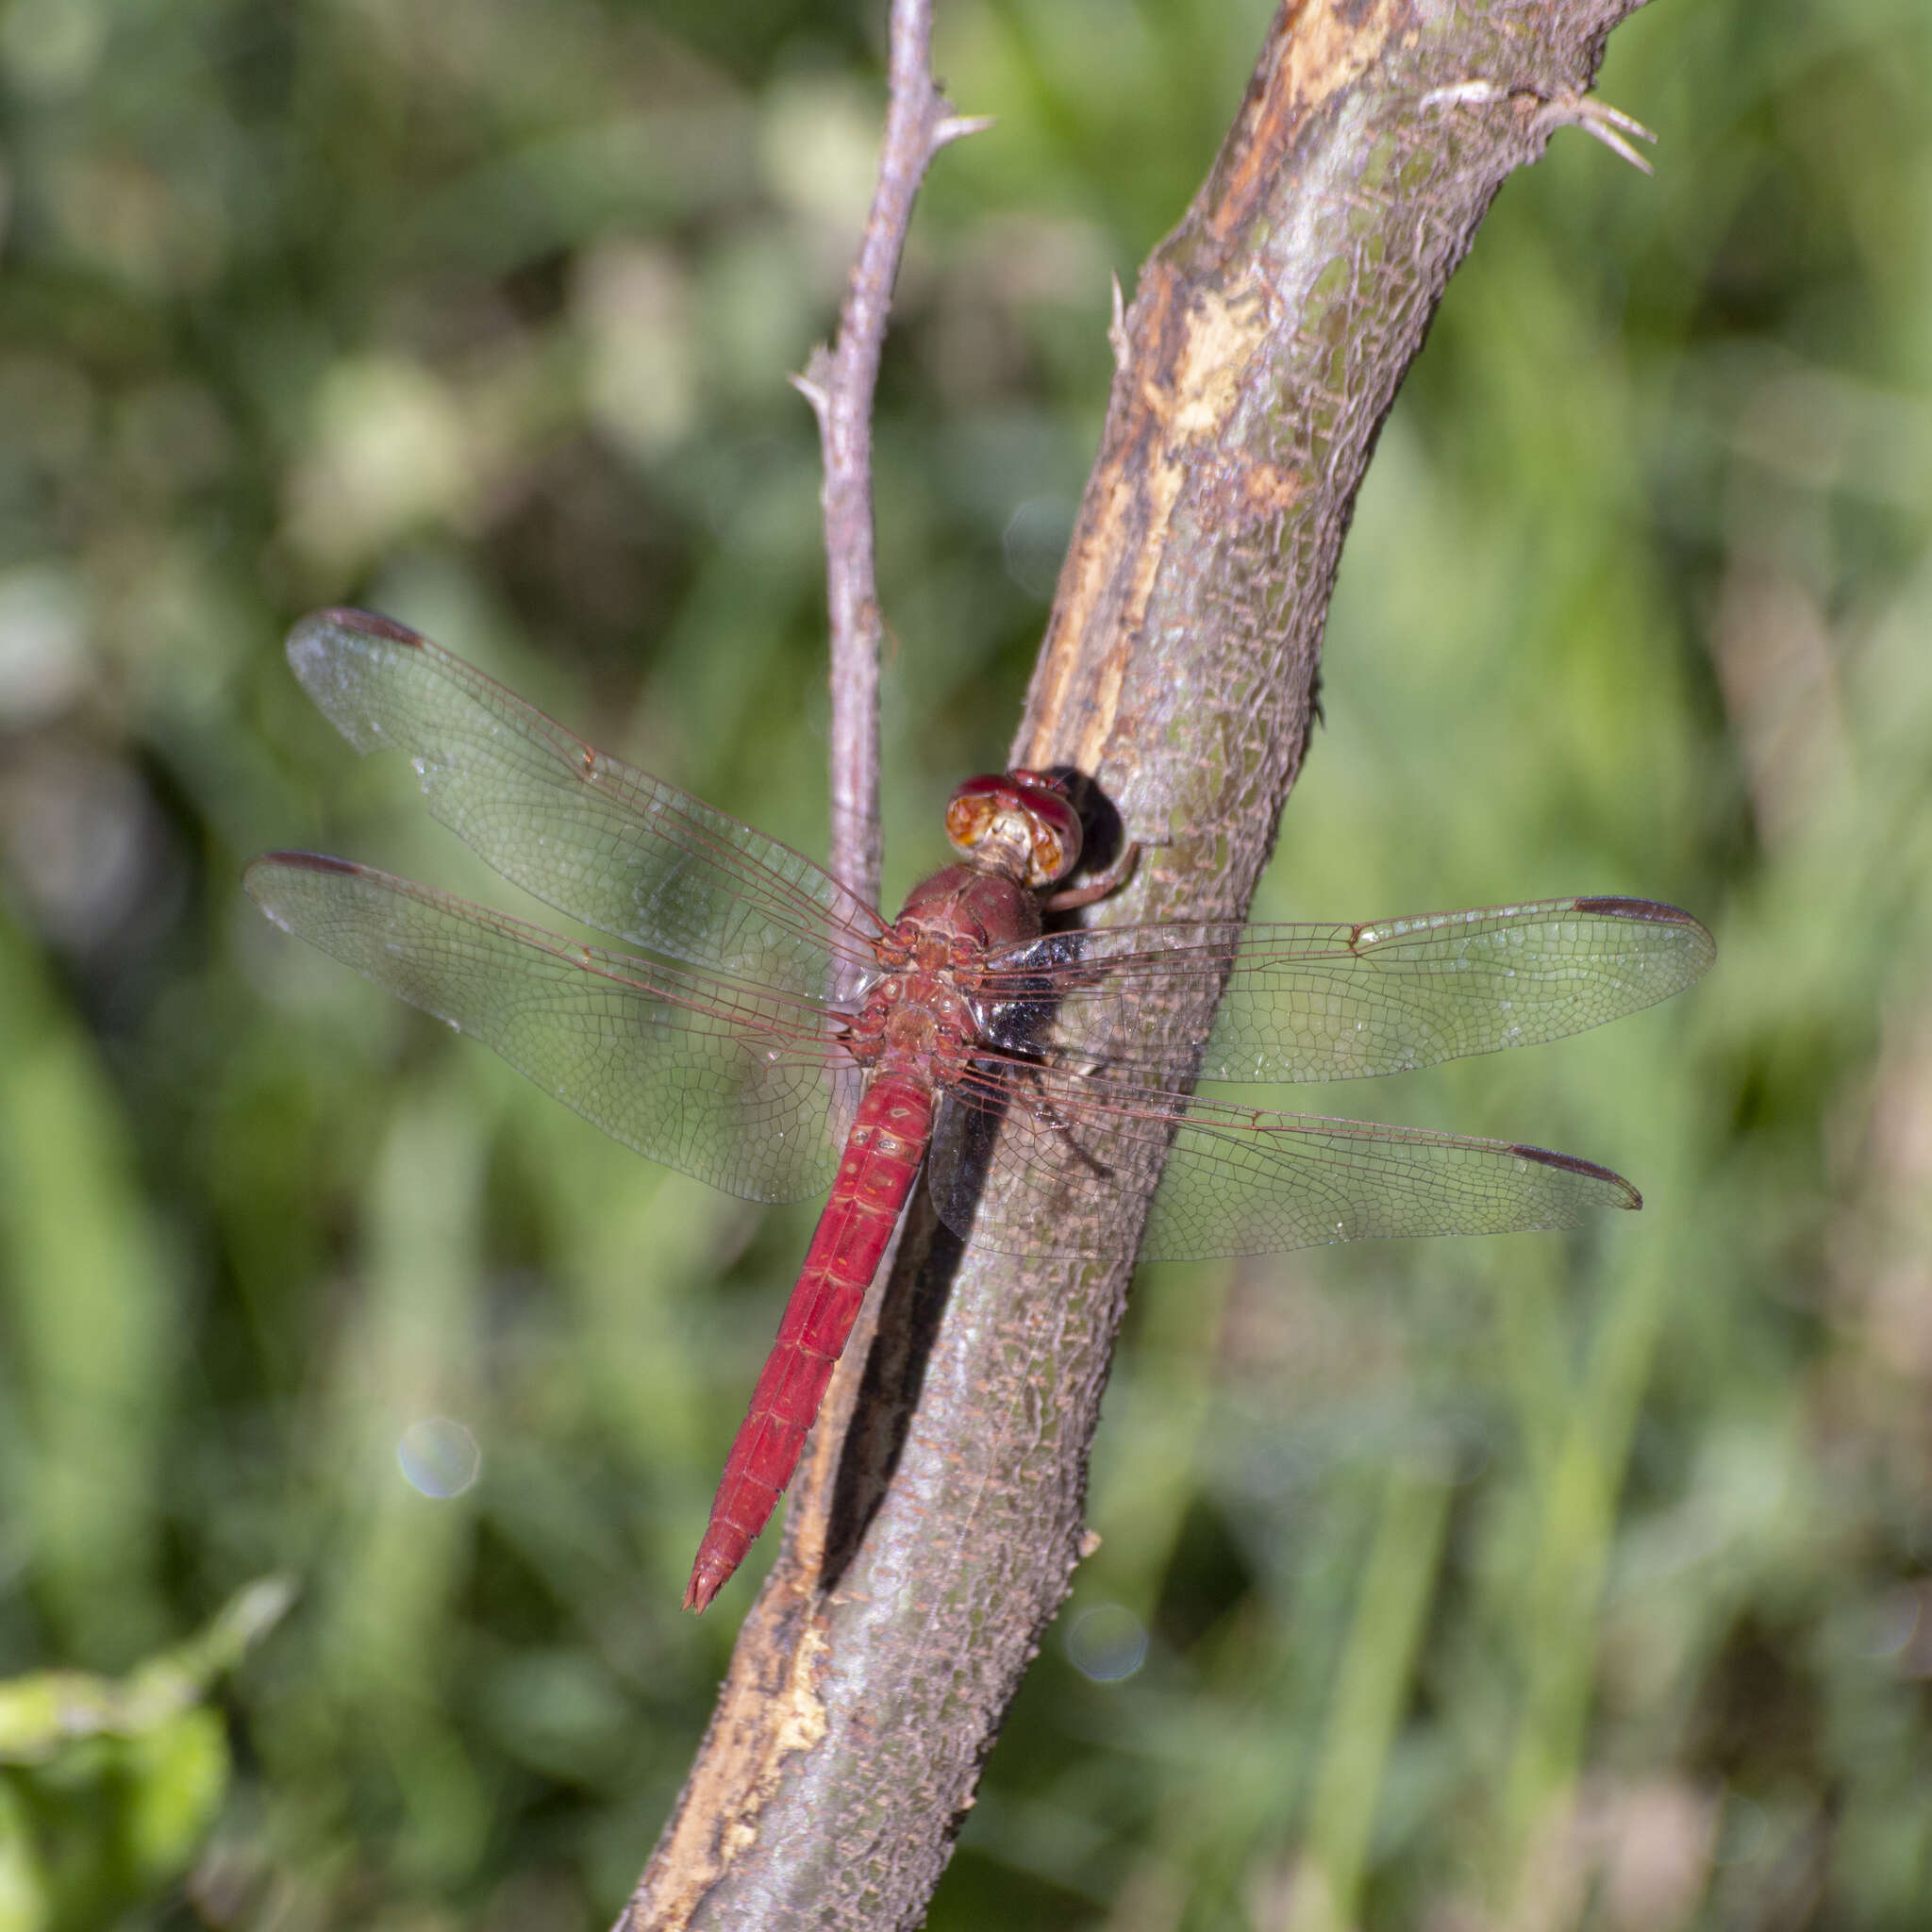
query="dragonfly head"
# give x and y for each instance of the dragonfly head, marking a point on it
(1016, 823)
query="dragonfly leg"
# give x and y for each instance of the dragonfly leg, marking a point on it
(1050, 1117)
(1112, 881)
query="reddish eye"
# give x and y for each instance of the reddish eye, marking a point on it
(1022, 814)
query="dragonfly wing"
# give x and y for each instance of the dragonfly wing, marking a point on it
(583, 832)
(1021, 1183)
(1233, 1180)
(1341, 1002)
(726, 1082)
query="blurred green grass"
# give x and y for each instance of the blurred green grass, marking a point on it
(1452, 1585)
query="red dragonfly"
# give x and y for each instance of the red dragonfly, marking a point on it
(717, 1046)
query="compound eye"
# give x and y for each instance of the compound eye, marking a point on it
(1018, 821)
(1056, 835)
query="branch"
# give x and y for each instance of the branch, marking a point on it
(838, 384)
(1264, 346)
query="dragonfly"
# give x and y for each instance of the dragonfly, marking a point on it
(761, 1028)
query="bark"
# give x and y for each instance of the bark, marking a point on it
(1262, 350)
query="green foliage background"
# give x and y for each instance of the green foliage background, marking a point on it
(1455, 1585)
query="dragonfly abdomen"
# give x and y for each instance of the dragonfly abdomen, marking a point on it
(880, 1163)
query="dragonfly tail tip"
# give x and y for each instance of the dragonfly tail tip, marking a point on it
(705, 1584)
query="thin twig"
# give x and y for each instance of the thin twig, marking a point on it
(839, 383)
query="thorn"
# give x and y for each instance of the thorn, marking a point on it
(1598, 120)
(958, 126)
(1117, 328)
(812, 391)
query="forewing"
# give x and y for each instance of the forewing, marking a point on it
(1339, 1001)
(1234, 1180)
(585, 833)
(726, 1082)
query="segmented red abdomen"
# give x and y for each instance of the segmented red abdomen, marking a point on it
(881, 1161)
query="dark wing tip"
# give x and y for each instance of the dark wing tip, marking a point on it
(1612, 906)
(367, 623)
(1651, 911)
(1626, 1197)
(302, 861)
(258, 879)
(259, 882)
